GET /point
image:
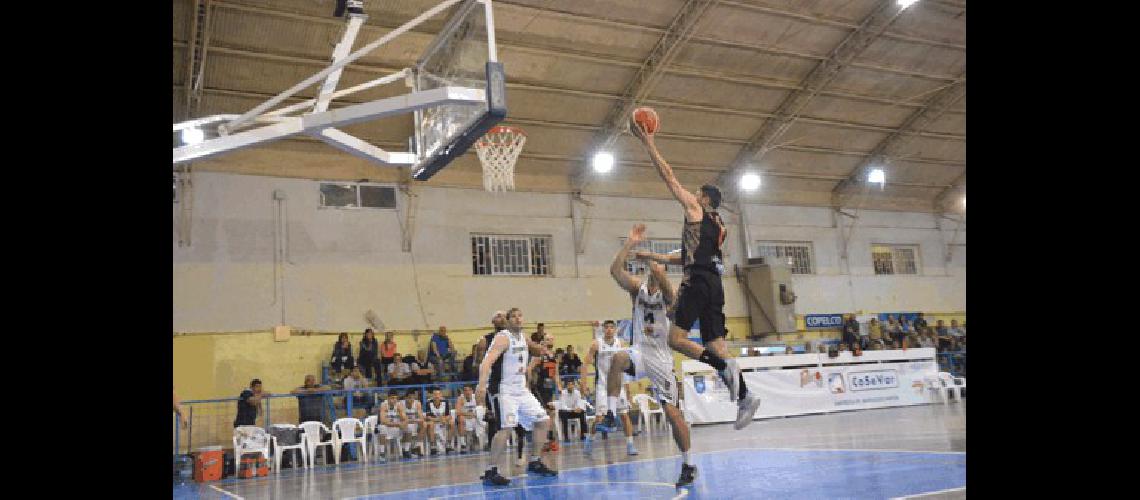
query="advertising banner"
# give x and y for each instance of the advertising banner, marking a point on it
(816, 389)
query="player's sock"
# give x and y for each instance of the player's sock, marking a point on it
(629, 439)
(710, 358)
(743, 390)
(685, 458)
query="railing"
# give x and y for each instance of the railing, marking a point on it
(211, 420)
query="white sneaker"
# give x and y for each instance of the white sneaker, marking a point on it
(746, 409)
(732, 373)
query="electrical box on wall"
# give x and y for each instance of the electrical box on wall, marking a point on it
(281, 333)
(770, 295)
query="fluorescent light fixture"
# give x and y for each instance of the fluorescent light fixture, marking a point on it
(906, 3)
(603, 162)
(877, 175)
(749, 181)
(192, 135)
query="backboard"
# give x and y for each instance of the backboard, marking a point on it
(462, 55)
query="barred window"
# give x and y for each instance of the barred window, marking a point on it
(661, 246)
(357, 195)
(510, 255)
(797, 254)
(895, 259)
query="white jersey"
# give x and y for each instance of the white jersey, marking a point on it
(511, 373)
(438, 411)
(468, 405)
(412, 412)
(650, 326)
(605, 355)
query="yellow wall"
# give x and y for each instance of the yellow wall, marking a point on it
(220, 365)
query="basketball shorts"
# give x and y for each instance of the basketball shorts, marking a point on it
(516, 406)
(701, 297)
(662, 382)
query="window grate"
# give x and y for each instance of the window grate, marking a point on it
(661, 246)
(798, 254)
(510, 255)
(895, 259)
(357, 195)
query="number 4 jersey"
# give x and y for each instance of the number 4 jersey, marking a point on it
(650, 327)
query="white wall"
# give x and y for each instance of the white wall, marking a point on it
(343, 262)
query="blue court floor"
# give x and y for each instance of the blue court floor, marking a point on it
(748, 473)
(868, 454)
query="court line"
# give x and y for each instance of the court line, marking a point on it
(671, 457)
(224, 492)
(555, 485)
(929, 493)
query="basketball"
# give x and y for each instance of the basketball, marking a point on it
(647, 119)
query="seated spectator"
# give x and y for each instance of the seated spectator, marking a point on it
(876, 331)
(309, 407)
(388, 356)
(856, 350)
(422, 369)
(571, 363)
(573, 406)
(360, 400)
(249, 404)
(822, 348)
(920, 323)
(399, 372)
(926, 339)
(850, 330)
(470, 369)
(958, 333)
(342, 355)
(945, 341)
(789, 350)
(894, 330)
(441, 353)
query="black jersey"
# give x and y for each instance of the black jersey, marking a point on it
(700, 243)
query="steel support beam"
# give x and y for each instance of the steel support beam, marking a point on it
(643, 82)
(764, 140)
(940, 200)
(890, 146)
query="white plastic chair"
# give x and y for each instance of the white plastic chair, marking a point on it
(249, 439)
(642, 402)
(557, 422)
(386, 444)
(313, 440)
(344, 432)
(279, 449)
(480, 426)
(370, 424)
(952, 384)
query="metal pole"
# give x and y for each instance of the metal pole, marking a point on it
(308, 82)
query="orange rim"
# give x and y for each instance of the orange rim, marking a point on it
(499, 130)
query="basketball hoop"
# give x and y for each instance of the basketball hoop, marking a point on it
(498, 151)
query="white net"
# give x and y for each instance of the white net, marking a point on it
(498, 151)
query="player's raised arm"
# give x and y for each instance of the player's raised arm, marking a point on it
(625, 280)
(663, 258)
(693, 210)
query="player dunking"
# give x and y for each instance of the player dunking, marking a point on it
(504, 371)
(701, 295)
(650, 356)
